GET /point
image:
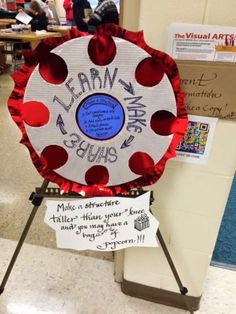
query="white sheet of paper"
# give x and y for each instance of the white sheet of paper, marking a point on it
(102, 223)
(23, 17)
(43, 31)
(196, 145)
(201, 42)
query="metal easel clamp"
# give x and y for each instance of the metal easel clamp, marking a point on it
(36, 199)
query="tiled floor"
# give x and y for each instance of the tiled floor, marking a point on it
(46, 280)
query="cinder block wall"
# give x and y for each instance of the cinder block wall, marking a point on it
(154, 16)
(189, 204)
(189, 199)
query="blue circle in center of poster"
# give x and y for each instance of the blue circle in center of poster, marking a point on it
(100, 116)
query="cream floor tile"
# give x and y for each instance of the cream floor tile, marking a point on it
(47, 281)
(219, 295)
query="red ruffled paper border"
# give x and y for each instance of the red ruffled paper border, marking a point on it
(33, 58)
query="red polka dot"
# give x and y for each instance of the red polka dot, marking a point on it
(97, 175)
(53, 69)
(149, 72)
(141, 163)
(163, 122)
(55, 156)
(102, 49)
(34, 113)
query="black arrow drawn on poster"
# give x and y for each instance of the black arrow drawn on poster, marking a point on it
(60, 123)
(128, 87)
(127, 142)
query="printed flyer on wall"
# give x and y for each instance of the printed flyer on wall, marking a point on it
(196, 144)
(201, 42)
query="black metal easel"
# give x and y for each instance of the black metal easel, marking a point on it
(36, 199)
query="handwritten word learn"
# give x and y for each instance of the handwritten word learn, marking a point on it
(86, 84)
(96, 81)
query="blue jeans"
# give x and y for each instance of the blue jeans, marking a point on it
(70, 23)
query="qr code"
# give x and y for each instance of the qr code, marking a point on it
(195, 139)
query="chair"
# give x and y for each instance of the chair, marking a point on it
(2, 57)
(16, 49)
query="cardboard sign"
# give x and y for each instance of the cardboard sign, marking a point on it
(210, 88)
(102, 223)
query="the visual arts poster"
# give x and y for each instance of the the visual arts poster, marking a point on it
(202, 42)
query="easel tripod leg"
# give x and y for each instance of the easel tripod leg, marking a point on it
(36, 202)
(183, 290)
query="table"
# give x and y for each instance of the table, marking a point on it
(6, 22)
(32, 37)
(59, 28)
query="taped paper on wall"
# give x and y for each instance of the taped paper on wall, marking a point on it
(196, 144)
(202, 42)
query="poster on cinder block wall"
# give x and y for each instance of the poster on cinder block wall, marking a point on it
(201, 42)
(209, 86)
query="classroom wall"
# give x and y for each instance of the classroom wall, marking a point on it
(130, 14)
(154, 16)
(60, 9)
(189, 211)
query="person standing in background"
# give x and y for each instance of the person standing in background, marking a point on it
(105, 12)
(44, 5)
(3, 6)
(68, 6)
(79, 9)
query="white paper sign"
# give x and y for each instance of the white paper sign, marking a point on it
(23, 17)
(102, 223)
(202, 42)
(196, 144)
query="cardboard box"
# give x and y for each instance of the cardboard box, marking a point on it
(210, 88)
